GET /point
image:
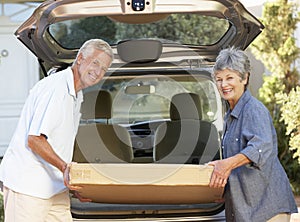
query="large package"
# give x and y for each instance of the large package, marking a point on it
(145, 183)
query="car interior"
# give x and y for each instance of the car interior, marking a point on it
(184, 135)
(182, 139)
(100, 140)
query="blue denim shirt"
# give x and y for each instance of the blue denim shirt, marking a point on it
(260, 190)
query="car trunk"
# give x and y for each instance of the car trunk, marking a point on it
(137, 191)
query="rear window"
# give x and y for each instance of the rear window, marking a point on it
(187, 29)
(133, 107)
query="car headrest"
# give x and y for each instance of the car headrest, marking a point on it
(185, 106)
(96, 105)
(139, 50)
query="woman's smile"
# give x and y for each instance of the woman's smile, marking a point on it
(230, 85)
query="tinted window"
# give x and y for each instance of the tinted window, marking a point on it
(190, 29)
(155, 105)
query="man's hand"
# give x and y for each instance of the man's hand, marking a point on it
(79, 197)
(74, 189)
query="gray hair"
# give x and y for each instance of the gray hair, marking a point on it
(235, 60)
(90, 45)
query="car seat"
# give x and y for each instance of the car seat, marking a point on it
(186, 138)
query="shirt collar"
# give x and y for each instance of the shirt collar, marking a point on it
(71, 86)
(240, 104)
(70, 82)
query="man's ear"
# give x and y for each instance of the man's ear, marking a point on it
(79, 58)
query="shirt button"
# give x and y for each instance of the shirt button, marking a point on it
(236, 139)
(259, 151)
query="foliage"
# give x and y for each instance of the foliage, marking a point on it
(276, 48)
(276, 45)
(290, 110)
(180, 28)
(1, 209)
(290, 114)
(88, 28)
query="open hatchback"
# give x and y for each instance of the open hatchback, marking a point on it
(155, 119)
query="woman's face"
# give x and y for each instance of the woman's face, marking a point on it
(230, 85)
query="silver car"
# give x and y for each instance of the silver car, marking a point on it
(157, 104)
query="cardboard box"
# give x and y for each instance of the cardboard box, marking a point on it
(145, 183)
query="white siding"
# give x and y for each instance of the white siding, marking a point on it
(18, 72)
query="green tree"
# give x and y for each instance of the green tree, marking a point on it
(180, 28)
(276, 48)
(81, 30)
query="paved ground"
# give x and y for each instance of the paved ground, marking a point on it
(296, 217)
(297, 198)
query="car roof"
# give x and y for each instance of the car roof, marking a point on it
(34, 32)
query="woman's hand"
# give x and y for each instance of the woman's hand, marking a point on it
(222, 170)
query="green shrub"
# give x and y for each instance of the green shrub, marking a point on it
(290, 114)
(276, 48)
(1, 209)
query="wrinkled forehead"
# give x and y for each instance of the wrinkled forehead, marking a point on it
(226, 72)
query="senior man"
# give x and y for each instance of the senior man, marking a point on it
(34, 170)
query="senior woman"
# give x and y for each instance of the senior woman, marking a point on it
(256, 186)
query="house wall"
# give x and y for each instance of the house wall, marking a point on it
(257, 67)
(18, 72)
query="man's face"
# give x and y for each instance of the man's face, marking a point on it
(92, 68)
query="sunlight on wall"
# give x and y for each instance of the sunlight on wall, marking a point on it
(17, 12)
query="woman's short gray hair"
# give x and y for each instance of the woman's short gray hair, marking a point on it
(90, 45)
(235, 60)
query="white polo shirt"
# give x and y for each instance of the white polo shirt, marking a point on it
(53, 109)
